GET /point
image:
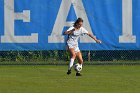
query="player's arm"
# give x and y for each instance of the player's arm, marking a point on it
(94, 38)
(68, 32)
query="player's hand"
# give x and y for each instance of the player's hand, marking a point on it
(76, 29)
(73, 29)
(70, 32)
(98, 41)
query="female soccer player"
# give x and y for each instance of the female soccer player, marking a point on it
(74, 33)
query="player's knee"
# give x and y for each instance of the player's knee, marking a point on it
(73, 56)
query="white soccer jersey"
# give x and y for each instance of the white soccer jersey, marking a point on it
(73, 38)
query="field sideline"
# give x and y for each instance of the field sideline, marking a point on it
(53, 79)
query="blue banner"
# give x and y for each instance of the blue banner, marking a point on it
(39, 24)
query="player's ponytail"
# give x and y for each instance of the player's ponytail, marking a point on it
(77, 21)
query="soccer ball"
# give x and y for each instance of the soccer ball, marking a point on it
(78, 67)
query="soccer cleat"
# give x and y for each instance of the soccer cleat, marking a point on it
(69, 72)
(78, 74)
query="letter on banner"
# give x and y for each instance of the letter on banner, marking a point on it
(127, 36)
(9, 18)
(56, 35)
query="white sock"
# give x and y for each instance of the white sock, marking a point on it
(71, 63)
(80, 64)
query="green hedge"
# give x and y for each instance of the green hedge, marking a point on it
(45, 56)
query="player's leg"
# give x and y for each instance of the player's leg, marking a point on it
(80, 61)
(79, 56)
(73, 56)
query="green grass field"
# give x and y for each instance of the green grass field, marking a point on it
(53, 79)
